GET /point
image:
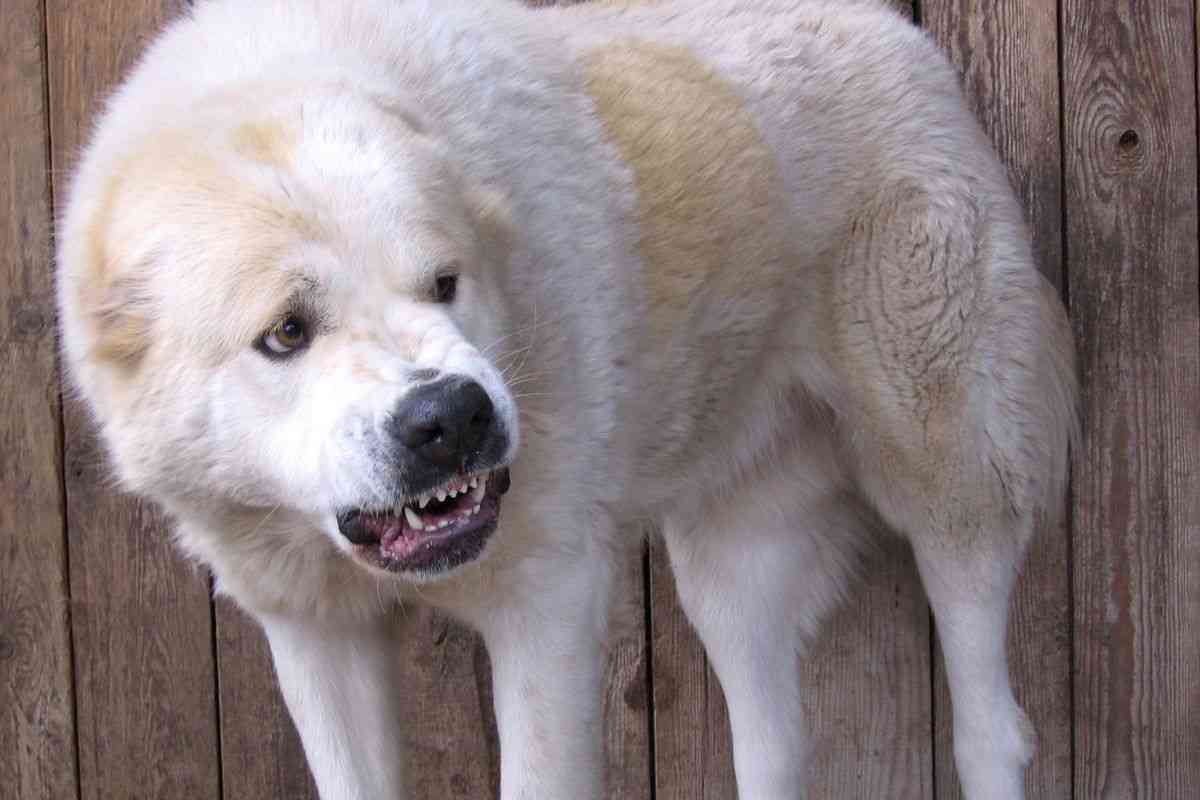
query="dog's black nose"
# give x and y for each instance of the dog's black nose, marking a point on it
(445, 422)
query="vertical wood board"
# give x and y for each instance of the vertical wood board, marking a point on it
(1130, 132)
(141, 616)
(37, 726)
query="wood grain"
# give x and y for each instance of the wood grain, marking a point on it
(1130, 192)
(261, 754)
(868, 689)
(626, 686)
(141, 617)
(1007, 53)
(37, 726)
(693, 756)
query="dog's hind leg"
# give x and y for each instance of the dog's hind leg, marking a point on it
(958, 369)
(757, 572)
(969, 586)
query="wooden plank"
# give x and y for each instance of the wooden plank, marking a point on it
(445, 679)
(141, 617)
(627, 714)
(1130, 194)
(693, 756)
(37, 726)
(1007, 52)
(261, 754)
(868, 695)
(626, 686)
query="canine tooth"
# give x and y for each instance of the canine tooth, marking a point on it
(441, 495)
(475, 510)
(414, 521)
(474, 481)
(453, 492)
(424, 501)
(477, 492)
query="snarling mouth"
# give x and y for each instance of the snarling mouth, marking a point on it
(431, 532)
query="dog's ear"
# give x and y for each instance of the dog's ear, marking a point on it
(492, 217)
(119, 310)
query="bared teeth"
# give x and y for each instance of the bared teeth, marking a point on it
(414, 521)
(472, 488)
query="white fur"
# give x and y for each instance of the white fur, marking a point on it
(772, 435)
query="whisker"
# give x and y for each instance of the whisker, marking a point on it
(525, 378)
(525, 357)
(529, 328)
(263, 521)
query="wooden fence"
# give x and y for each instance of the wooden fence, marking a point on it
(120, 678)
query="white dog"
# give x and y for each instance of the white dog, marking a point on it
(748, 269)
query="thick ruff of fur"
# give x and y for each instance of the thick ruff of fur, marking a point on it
(745, 269)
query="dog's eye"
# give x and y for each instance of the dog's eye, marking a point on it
(445, 288)
(285, 337)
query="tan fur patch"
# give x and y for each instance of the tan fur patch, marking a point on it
(267, 141)
(121, 327)
(703, 172)
(244, 229)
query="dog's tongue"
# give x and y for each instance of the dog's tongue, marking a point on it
(383, 526)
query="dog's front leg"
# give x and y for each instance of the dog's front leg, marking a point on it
(546, 642)
(336, 680)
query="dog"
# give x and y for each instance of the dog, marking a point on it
(394, 302)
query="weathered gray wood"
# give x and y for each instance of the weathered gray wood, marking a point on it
(693, 759)
(1007, 52)
(1130, 152)
(37, 731)
(261, 754)
(141, 617)
(626, 689)
(868, 689)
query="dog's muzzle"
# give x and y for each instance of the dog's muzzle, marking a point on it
(447, 445)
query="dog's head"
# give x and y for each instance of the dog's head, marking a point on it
(285, 300)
